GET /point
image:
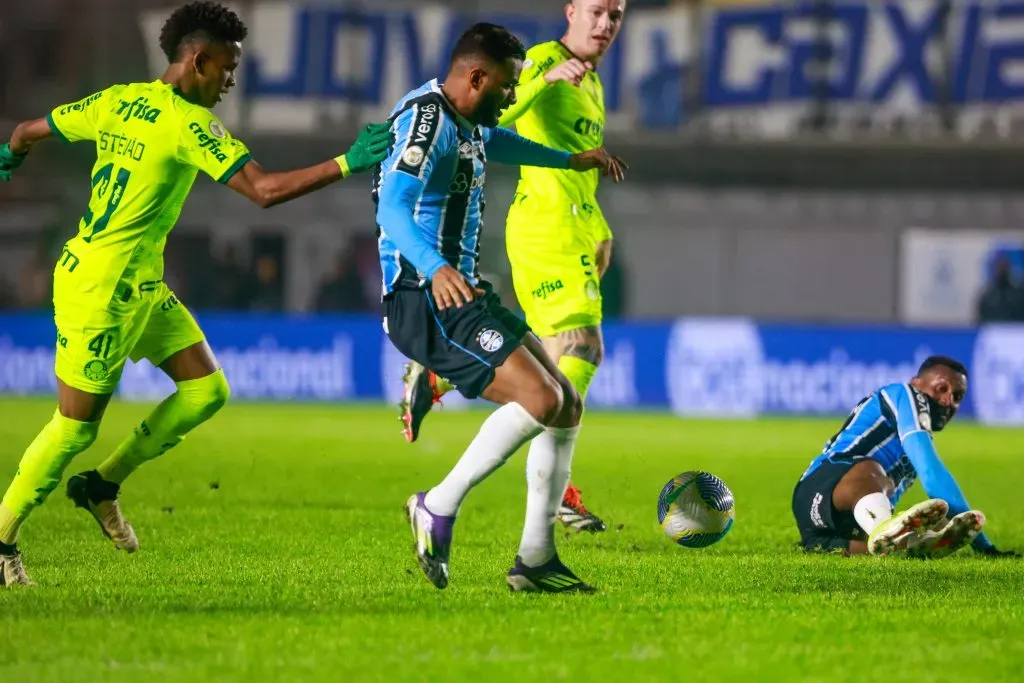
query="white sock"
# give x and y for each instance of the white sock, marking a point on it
(872, 510)
(547, 473)
(501, 435)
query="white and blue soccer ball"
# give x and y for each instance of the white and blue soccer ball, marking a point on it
(696, 509)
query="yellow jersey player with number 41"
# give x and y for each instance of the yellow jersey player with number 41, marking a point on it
(559, 244)
(110, 301)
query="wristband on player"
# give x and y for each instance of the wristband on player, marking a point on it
(343, 165)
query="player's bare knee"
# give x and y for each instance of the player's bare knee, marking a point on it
(572, 406)
(544, 401)
(863, 479)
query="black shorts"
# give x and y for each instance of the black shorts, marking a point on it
(463, 345)
(822, 527)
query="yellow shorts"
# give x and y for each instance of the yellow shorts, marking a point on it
(554, 270)
(95, 339)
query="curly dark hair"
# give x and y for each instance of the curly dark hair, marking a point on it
(491, 41)
(202, 19)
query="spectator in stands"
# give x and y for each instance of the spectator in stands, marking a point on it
(342, 289)
(1003, 298)
(266, 291)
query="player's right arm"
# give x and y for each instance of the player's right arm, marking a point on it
(205, 144)
(71, 122)
(545, 65)
(423, 135)
(913, 424)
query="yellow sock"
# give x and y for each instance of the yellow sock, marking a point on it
(580, 373)
(193, 403)
(41, 469)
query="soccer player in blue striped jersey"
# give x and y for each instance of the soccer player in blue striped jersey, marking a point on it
(844, 501)
(439, 313)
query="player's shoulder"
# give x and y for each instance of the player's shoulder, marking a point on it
(542, 57)
(98, 99)
(424, 118)
(425, 103)
(197, 122)
(895, 390)
(551, 52)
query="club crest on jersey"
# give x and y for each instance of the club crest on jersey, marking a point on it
(138, 108)
(413, 155)
(217, 130)
(490, 340)
(96, 370)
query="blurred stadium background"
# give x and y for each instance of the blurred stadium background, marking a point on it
(822, 193)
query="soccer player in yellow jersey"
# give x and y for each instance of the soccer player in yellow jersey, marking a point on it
(110, 302)
(559, 244)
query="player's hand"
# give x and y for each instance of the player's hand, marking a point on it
(9, 161)
(370, 148)
(451, 289)
(571, 71)
(599, 158)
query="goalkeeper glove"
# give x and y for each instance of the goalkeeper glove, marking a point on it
(369, 149)
(9, 161)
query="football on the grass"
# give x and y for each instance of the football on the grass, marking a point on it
(696, 509)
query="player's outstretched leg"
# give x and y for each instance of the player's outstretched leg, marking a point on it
(906, 530)
(194, 402)
(41, 469)
(944, 540)
(863, 493)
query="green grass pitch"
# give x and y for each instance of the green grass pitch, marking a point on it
(274, 548)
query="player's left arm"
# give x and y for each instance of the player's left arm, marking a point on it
(507, 147)
(543, 67)
(910, 410)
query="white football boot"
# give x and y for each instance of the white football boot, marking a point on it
(893, 534)
(948, 538)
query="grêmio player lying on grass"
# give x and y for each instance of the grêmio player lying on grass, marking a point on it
(844, 501)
